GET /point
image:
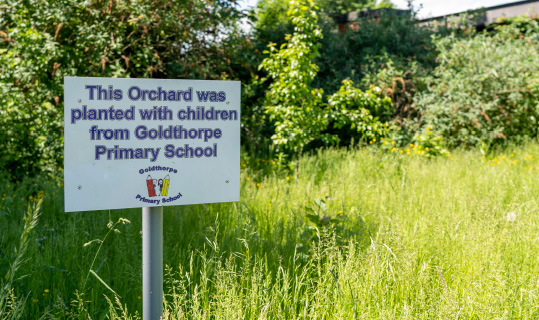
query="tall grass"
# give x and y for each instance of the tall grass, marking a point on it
(362, 234)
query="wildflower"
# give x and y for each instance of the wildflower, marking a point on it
(392, 142)
(269, 203)
(427, 149)
(401, 151)
(258, 185)
(35, 300)
(411, 145)
(287, 178)
(393, 149)
(511, 216)
(248, 178)
(47, 291)
(339, 212)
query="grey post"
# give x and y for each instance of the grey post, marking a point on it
(152, 263)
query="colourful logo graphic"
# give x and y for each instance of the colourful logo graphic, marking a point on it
(158, 189)
(155, 185)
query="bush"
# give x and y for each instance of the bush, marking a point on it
(367, 44)
(356, 114)
(485, 90)
(42, 41)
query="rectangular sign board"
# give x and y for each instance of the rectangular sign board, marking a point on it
(132, 143)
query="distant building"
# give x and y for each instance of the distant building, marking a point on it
(350, 20)
(480, 18)
(491, 15)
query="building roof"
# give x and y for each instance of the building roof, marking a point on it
(493, 13)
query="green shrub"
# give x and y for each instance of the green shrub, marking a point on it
(292, 104)
(366, 46)
(42, 41)
(357, 114)
(485, 90)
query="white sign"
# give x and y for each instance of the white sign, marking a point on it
(148, 142)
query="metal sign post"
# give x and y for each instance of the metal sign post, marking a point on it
(152, 263)
(150, 143)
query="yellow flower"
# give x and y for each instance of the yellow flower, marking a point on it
(35, 300)
(401, 151)
(392, 142)
(512, 154)
(248, 178)
(269, 203)
(258, 185)
(287, 178)
(47, 291)
(411, 145)
(374, 139)
(427, 149)
(393, 149)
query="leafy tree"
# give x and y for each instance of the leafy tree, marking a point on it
(41, 41)
(297, 109)
(485, 90)
(293, 105)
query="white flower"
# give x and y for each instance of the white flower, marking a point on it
(511, 216)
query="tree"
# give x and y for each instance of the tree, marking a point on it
(293, 105)
(41, 41)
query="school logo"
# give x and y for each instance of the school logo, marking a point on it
(158, 188)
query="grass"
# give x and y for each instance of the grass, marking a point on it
(363, 234)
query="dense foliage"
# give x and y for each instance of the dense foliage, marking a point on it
(485, 90)
(292, 103)
(43, 41)
(443, 87)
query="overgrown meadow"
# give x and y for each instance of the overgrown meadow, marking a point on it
(364, 233)
(388, 171)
